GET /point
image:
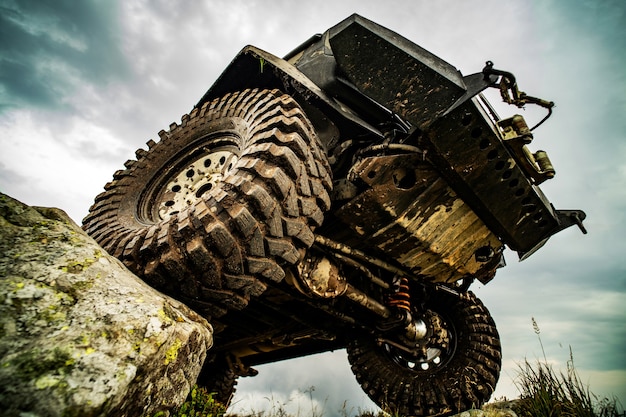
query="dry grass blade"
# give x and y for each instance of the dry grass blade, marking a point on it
(546, 393)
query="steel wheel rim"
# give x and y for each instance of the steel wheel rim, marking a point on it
(193, 174)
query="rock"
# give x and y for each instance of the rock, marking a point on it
(471, 413)
(80, 335)
(503, 408)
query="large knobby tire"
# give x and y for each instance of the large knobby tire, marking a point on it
(214, 212)
(459, 372)
(219, 379)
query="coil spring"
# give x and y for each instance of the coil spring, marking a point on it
(401, 298)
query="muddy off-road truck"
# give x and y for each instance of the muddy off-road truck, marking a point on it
(344, 196)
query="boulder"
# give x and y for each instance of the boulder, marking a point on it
(80, 335)
(500, 408)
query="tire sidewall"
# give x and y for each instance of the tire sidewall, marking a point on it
(218, 249)
(456, 379)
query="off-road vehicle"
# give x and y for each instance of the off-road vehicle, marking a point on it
(344, 196)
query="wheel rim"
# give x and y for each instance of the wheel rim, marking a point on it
(430, 353)
(187, 177)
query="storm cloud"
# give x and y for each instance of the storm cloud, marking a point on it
(84, 84)
(47, 48)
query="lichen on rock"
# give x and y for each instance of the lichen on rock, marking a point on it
(80, 335)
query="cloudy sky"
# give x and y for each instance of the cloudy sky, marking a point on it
(85, 83)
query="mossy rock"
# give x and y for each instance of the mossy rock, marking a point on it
(79, 334)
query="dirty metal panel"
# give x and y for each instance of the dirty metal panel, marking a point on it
(394, 71)
(413, 216)
(467, 150)
(450, 232)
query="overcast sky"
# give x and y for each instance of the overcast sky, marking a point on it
(85, 83)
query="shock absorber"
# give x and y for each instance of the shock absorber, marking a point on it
(401, 298)
(414, 328)
(399, 301)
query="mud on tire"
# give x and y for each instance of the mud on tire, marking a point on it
(450, 380)
(214, 212)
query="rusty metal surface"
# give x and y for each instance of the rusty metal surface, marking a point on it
(412, 215)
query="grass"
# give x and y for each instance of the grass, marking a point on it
(544, 392)
(200, 403)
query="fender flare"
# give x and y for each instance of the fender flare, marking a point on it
(256, 68)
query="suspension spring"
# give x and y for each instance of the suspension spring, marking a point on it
(401, 298)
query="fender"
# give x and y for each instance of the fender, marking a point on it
(359, 77)
(256, 68)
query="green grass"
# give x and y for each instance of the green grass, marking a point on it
(544, 392)
(200, 403)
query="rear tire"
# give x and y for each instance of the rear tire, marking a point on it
(219, 379)
(459, 372)
(214, 212)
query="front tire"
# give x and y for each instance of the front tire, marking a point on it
(214, 212)
(459, 370)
